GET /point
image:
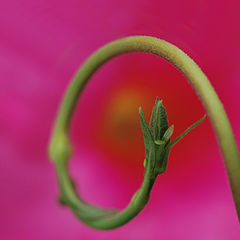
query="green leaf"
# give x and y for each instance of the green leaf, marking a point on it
(187, 131)
(163, 121)
(154, 116)
(158, 123)
(168, 134)
(148, 138)
(157, 128)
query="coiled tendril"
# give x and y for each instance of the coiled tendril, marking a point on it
(156, 135)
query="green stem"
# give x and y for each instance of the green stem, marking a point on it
(92, 216)
(60, 147)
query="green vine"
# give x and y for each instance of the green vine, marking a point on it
(156, 135)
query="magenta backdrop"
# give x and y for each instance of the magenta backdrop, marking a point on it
(42, 44)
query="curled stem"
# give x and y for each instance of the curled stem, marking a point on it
(60, 150)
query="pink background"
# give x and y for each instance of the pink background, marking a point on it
(42, 44)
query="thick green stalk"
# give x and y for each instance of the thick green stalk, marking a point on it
(60, 147)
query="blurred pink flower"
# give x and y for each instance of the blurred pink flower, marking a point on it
(42, 44)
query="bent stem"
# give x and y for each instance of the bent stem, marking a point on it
(60, 148)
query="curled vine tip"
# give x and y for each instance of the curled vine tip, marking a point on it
(157, 134)
(157, 138)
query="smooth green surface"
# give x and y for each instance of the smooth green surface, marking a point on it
(155, 136)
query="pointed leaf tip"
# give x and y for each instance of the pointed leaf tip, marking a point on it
(145, 129)
(148, 139)
(163, 120)
(168, 133)
(188, 130)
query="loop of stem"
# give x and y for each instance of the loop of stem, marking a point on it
(59, 149)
